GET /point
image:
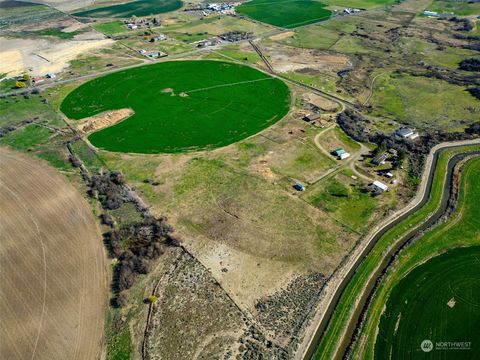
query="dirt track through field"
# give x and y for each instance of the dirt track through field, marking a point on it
(52, 270)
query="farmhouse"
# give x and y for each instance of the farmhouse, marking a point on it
(311, 117)
(406, 133)
(379, 186)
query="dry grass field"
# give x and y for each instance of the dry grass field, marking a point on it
(52, 272)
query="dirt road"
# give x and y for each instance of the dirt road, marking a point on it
(52, 269)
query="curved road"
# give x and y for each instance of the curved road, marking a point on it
(333, 290)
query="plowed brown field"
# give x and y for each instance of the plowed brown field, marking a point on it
(52, 269)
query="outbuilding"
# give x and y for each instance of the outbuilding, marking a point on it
(311, 117)
(379, 186)
(406, 133)
(344, 156)
(38, 79)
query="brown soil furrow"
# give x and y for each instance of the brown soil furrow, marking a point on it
(53, 285)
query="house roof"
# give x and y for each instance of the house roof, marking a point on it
(380, 185)
(312, 116)
(404, 131)
(339, 151)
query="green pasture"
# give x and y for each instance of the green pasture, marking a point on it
(137, 8)
(26, 137)
(285, 13)
(456, 7)
(431, 54)
(180, 106)
(345, 200)
(436, 104)
(111, 27)
(417, 308)
(360, 4)
(313, 37)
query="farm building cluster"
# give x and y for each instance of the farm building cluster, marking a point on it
(220, 8)
(41, 79)
(214, 8)
(435, 14)
(230, 37)
(25, 81)
(134, 23)
(348, 11)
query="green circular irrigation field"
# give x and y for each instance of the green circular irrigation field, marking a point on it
(180, 106)
(132, 8)
(418, 309)
(285, 13)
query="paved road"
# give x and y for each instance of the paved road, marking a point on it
(338, 282)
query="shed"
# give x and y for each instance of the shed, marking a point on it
(343, 156)
(38, 79)
(311, 117)
(338, 152)
(406, 133)
(377, 185)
